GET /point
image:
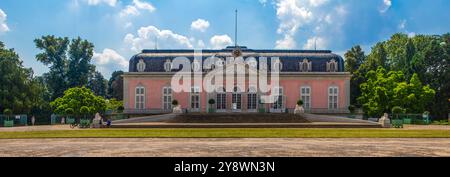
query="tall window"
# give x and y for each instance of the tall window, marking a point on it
(278, 99)
(236, 99)
(306, 97)
(140, 98)
(167, 98)
(221, 99)
(333, 93)
(195, 98)
(252, 98)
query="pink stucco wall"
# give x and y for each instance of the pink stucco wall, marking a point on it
(319, 92)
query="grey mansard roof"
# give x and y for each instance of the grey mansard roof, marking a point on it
(290, 59)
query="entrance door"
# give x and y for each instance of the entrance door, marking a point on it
(236, 100)
(195, 99)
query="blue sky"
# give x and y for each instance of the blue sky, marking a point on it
(121, 28)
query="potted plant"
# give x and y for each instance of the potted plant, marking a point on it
(396, 111)
(175, 103)
(85, 123)
(352, 110)
(261, 107)
(7, 122)
(299, 107)
(69, 114)
(120, 109)
(211, 103)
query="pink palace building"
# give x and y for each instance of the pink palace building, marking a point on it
(315, 76)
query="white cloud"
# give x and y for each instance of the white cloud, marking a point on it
(200, 25)
(316, 3)
(386, 6)
(3, 26)
(109, 61)
(147, 36)
(220, 41)
(318, 43)
(128, 25)
(97, 2)
(402, 25)
(263, 2)
(292, 15)
(135, 7)
(129, 10)
(286, 43)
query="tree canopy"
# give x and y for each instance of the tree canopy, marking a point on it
(69, 62)
(385, 90)
(423, 58)
(79, 99)
(20, 91)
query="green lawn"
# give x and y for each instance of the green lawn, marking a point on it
(230, 133)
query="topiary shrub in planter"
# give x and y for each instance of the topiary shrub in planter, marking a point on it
(7, 122)
(396, 111)
(175, 103)
(211, 109)
(120, 109)
(69, 113)
(300, 102)
(261, 107)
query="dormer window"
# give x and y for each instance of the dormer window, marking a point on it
(141, 66)
(252, 63)
(168, 65)
(305, 66)
(332, 66)
(220, 63)
(278, 65)
(196, 66)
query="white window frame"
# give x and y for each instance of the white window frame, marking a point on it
(252, 99)
(276, 106)
(333, 98)
(236, 98)
(305, 92)
(195, 92)
(139, 99)
(167, 98)
(221, 100)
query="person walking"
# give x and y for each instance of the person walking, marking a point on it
(33, 120)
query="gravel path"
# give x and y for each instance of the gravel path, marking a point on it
(215, 147)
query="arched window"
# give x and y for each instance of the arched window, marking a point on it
(221, 99)
(236, 99)
(139, 97)
(252, 63)
(278, 65)
(168, 65)
(167, 98)
(196, 67)
(219, 63)
(333, 94)
(305, 66)
(141, 66)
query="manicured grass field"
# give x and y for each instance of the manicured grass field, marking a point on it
(230, 133)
